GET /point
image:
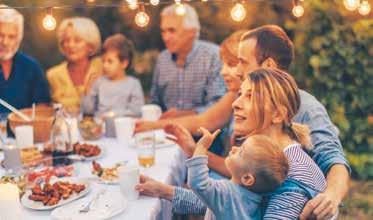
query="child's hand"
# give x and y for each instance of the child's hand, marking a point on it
(205, 141)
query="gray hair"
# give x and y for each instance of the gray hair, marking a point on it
(12, 16)
(85, 28)
(190, 18)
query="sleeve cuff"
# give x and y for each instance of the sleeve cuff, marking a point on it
(325, 167)
(196, 161)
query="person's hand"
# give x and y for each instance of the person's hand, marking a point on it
(324, 206)
(175, 113)
(233, 82)
(146, 126)
(153, 188)
(182, 137)
(205, 141)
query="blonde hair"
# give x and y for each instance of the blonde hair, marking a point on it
(229, 48)
(283, 94)
(85, 28)
(11, 15)
(267, 162)
(190, 18)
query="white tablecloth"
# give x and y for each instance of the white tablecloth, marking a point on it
(167, 169)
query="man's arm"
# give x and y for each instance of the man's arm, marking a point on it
(329, 156)
(214, 118)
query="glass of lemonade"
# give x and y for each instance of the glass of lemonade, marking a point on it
(145, 145)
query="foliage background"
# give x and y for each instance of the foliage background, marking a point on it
(334, 50)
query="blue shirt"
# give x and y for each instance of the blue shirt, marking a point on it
(224, 199)
(327, 148)
(195, 86)
(26, 84)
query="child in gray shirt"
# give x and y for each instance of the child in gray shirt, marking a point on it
(115, 91)
(257, 167)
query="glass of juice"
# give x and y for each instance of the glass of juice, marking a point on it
(145, 146)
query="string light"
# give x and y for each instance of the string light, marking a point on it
(238, 12)
(177, 1)
(49, 22)
(90, 1)
(351, 5)
(364, 8)
(141, 18)
(204, 0)
(132, 4)
(180, 9)
(154, 2)
(298, 11)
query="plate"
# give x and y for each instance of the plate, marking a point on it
(104, 181)
(81, 157)
(106, 206)
(25, 201)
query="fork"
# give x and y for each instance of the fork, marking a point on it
(86, 207)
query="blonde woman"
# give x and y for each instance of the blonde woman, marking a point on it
(79, 40)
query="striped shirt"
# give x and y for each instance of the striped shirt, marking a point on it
(284, 206)
(289, 205)
(195, 86)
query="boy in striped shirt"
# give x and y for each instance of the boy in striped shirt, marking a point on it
(259, 166)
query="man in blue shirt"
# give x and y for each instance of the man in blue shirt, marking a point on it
(186, 77)
(22, 81)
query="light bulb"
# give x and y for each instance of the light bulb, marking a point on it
(238, 12)
(204, 0)
(154, 2)
(90, 1)
(364, 8)
(49, 22)
(298, 11)
(351, 5)
(142, 19)
(177, 1)
(133, 5)
(180, 9)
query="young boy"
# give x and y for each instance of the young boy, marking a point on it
(115, 91)
(258, 166)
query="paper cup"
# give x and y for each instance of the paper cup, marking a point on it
(151, 112)
(129, 177)
(124, 128)
(24, 136)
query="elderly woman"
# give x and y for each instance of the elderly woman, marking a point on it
(79, 40)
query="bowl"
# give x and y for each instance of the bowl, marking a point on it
(91, 128)
(41, 125)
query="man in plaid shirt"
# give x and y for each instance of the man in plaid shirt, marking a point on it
(186, 77)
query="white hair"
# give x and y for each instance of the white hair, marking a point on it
(84, 28)
(12, 16)
(190, 18)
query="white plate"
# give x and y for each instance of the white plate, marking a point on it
(25, 201)
(102, 181)
(105, 207)
(94, 157)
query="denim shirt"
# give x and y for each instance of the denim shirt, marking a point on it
(327, 148)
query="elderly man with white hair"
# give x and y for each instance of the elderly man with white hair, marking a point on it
(186, 77)
(22, 81)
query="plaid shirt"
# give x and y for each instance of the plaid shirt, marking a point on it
(195, 86)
